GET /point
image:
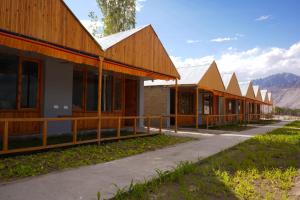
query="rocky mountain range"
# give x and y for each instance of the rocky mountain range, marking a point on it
(285, 88)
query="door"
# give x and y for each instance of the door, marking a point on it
(131, 97)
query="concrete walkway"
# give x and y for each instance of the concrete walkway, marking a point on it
(85, 182)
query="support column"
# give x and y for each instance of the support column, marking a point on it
(197, 107)
(100, 67)
(176, 105)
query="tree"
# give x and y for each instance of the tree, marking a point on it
(118, 15)
(95, 25)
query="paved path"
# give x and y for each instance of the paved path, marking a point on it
(85, 182)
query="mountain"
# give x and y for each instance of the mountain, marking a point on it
(285, 88)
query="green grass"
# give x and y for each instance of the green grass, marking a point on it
(264, 122)
(263, 167)
(57, 159)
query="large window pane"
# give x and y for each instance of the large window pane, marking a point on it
(207, 104)
(92, 91)
(29, 84)
(118, 94)
(107, 93)
(78, 89)
(8, 81)
(187, 103)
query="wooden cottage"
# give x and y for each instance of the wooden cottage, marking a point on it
(249, 98)
(258, 97)
(200, 92)
(233, 97)
(56, 78)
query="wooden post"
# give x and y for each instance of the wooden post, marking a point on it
(134, 126)
(206, 121)
(45, 127)
(148, 125)
(176, 105)
(119, 128)
(160, 124)
(100, 67)
(5, 137)
(197, 107)
(75, 131)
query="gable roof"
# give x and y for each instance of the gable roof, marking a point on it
(257, 92)
(51, 22)
(270, 98)
(264, 95)
(247, 89)
(139, 48)
(206, 76)
(231, 84)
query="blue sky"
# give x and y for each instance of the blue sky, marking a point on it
(248, 31)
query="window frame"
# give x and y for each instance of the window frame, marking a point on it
(85, 70)
(19, 87)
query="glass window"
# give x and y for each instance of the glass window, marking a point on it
(187, 103)
(29, 84)
(78, 89)
(107, 93)
(207, 104)
(8, 81)
(117, 94)
(92, 91)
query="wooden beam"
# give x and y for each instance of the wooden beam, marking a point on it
(176, 105)
(45, 127)
(100, 67)
(197, 107)
(5, 137)
(75, 131)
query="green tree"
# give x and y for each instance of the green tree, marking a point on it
(118, 15)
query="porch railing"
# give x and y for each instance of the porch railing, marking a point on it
(44, 131)
(207, 120)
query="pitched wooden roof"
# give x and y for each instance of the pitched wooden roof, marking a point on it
(49, 21)
(264, 95)
(212, 79)
(206, 76)
(139, 48)
(257, 92)
(247, 89)
(231, 84)
(270, 101)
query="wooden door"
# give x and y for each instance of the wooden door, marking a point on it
(131, 99)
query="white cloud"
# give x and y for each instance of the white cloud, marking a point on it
(223, 39)
(253, 63)
(139, 5)
(263, 18)
(192, 41)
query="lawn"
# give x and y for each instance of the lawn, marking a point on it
(263, 167)
(231, 127)
(14, 167)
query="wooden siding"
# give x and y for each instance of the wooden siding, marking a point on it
(250, 92)
(50, 21)
(233, 86)
(212, 79)
(258, 96)
(143, 50)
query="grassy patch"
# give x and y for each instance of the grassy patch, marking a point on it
(264, 122)
(58, 159)
(262, 167)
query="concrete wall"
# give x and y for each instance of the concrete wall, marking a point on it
(58, 81)
(157, 102)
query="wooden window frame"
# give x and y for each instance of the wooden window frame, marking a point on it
(19, 87)
(115, 76)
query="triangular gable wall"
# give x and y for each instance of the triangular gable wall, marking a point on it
(233, 86)
(48, 21)
(259, 97)
(144, 50)
(250, 92)
(212, 79)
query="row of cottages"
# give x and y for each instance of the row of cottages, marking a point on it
(56, 78)
(204, 96)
